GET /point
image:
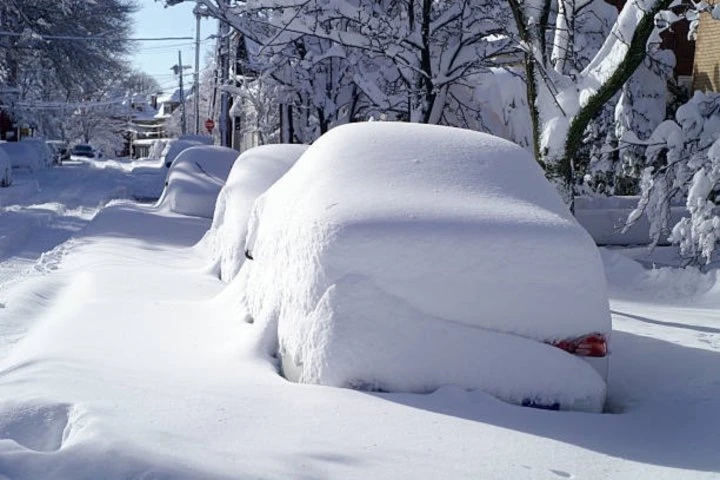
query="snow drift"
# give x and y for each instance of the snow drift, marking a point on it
(253, 172)
(404, 257)
(195, 179)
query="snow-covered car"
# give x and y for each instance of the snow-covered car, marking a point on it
(253, 172)
(82, 151)
(60, 150)
(42, 149)
(5, 170)
(403, 257)
(23, 155)
(174, 147)
(195, 179)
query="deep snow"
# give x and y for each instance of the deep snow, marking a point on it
(131, 362)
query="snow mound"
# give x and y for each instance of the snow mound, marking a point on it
(253, 172)
(412, 256)
(23, 155)
(5, 169)
(195, 179)
(627, 277)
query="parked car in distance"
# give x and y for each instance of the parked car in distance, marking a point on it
(60, 149)
(83, 150)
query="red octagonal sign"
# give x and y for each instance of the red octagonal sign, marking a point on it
(209, 124)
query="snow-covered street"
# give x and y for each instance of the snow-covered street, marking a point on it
(122, 357)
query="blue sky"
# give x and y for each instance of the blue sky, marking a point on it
(157, 58)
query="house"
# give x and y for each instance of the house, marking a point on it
(147, 123)
(706, 68)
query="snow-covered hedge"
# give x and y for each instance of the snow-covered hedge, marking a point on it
(195, 179)
(253, 172)
(404, 257)
(5, 169)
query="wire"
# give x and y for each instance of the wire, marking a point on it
(94, 38)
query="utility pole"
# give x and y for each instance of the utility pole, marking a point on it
(197, 69)
(183, 118)
(224, 57)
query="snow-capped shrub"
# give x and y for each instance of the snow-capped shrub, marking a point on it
(156, 149)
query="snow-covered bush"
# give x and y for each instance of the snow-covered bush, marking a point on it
(23, 155)
(5, 170)
(683, 161)
(195, 179)
(253, 172)
(156, 149)
(404, 257)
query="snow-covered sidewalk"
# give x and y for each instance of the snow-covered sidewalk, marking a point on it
(130, 360)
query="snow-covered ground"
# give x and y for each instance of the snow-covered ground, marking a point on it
(123, 357)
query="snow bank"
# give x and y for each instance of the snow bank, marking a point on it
(253, 172)
(23, 155)
(627, 278)
(195, 179)
(404, 257)
(5, 169)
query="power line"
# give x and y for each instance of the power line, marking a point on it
(93, 38)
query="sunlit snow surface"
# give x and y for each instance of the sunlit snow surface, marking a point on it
(127, 361)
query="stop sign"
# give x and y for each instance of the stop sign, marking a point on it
(209, 124)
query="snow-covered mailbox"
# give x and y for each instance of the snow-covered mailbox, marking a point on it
(404, 257)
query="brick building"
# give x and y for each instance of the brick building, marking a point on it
(706, 69)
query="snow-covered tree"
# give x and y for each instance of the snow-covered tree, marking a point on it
(563, 102)
(683, 161)
(61, 50)
(346, 59)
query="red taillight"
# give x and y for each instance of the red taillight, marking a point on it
(593, 345)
